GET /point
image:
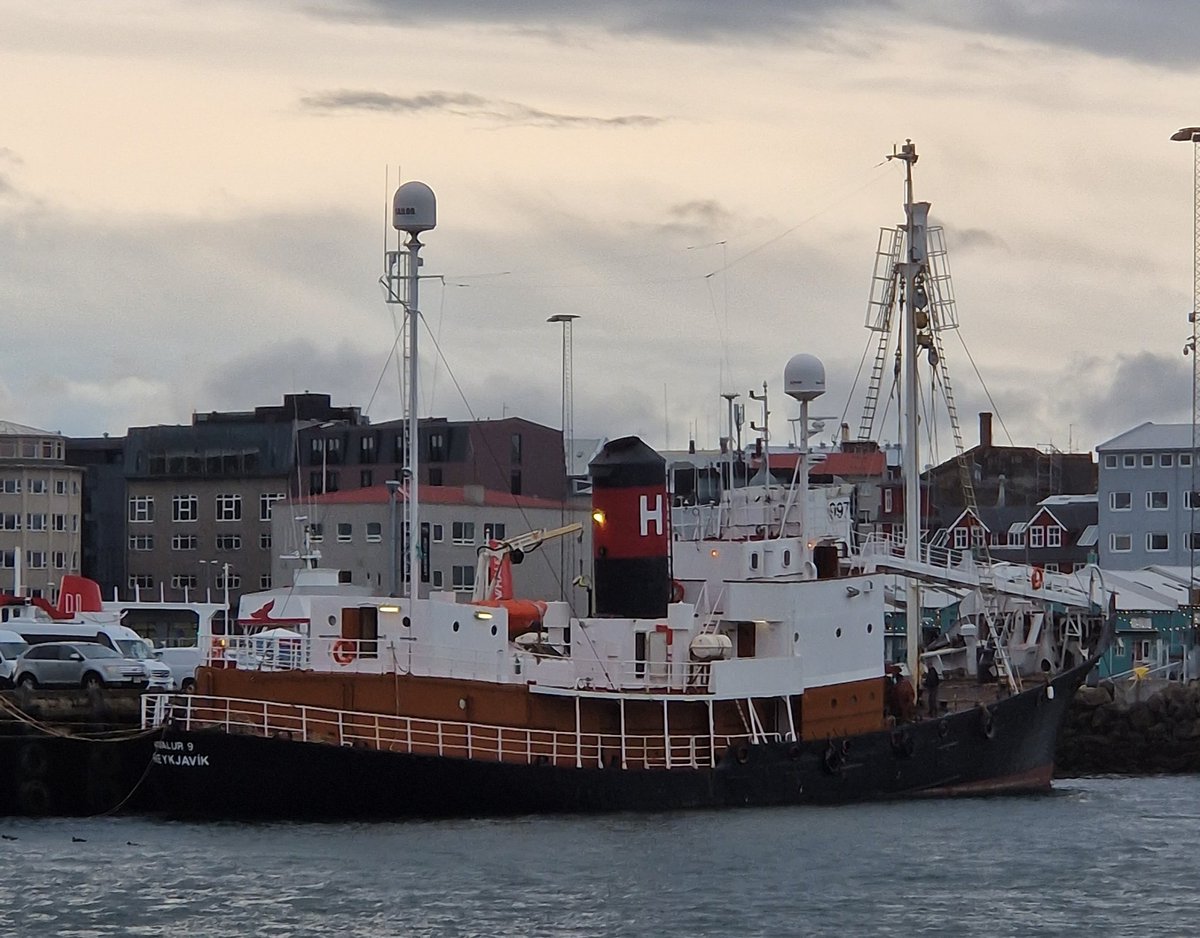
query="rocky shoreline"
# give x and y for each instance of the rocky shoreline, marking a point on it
(1131, 728)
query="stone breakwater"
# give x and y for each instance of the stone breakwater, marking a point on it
(1131, 728)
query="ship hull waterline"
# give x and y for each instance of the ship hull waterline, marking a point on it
(1009, 749)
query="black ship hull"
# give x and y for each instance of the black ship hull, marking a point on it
(1007, 747)
(66, 775)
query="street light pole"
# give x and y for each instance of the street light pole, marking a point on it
(566, 546)
(1192, 135)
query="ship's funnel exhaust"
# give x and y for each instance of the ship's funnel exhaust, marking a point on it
(631, 531)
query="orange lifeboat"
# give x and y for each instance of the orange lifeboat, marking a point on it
(524, 615)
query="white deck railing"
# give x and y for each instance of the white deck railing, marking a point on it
(444, 738)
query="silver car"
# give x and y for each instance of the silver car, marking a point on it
(77, 664)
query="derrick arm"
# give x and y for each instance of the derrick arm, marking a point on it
(491, 556)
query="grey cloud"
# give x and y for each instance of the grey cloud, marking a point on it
(465, 104)
(1154, 31)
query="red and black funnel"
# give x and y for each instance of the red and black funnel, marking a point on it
(631, 531)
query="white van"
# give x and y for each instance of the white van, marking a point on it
(117, 637)
(11, 645)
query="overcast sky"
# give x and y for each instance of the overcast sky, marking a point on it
(193, 198)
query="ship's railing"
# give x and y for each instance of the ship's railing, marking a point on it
(442, 738)
(876, 544)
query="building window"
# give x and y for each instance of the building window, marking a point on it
(264, 581)
(1193, 541)
(185, 508)
(8, 559)
(462, 578)
(185, 542)
(374, 532)
(316, 532)
(1191, 500)
(366, 478)
(437, 579)
(366, 449)
(493, 532)
(888, 501)
(976, 535)
(438, 534)
(234, 581)
(229, 542)
(182, 581)
(264, 505)
(1120, 543)
(37, 487)
(515, 446)
(35, 521)
(141, 509)
(1166, 460)
(35, 559)
(58, 522)
(11, 486)
(1185, 459)
(1120, 501)
(141, 542)
(141, 581)
(59, 559)
(1147, 460)
(331, 482)
(1110, 462)
(514, 482)
(462, 532)
(437, 447)
(1016, 538)
(1054, 537)
(10, 522)
(229, 508)
(60, 486)
(345, 532)
(434, 476)
(960, 538)
(1157, 501)
(1037, 536)
(264, 541)
(1157, 542)
(1129, 461)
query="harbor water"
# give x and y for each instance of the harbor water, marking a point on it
(1099, 856)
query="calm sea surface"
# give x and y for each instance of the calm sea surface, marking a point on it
(1098, 857)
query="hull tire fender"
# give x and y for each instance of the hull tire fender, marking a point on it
(987, 723)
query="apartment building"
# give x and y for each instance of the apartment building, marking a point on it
(352, 532)
(1148, 496)
(40, 508)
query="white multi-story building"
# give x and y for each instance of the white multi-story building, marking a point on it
(40, 505)
(352, 532)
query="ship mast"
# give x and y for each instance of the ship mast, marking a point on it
(916, 221)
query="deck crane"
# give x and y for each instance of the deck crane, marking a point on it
(493, 575)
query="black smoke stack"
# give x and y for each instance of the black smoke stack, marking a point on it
(631, 531)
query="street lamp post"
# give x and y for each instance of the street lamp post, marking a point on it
(566, 546)
(1192, 135)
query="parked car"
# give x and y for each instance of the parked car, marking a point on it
(12, 646)
(78, 664)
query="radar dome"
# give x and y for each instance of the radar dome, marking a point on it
(804, 377)
(414, 208)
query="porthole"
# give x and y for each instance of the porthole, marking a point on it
(832, 703)
(838, 633)
(796, 637)
(853, 699)
(493, 630)
(405, 622)
(787, 558)
(870, 628)
(754, 561)
(333, 620)
(456, 626)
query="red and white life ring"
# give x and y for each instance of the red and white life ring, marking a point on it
(1037, 578)
(343, 651)
(676, 591)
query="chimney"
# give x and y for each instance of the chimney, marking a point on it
(985, 429)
